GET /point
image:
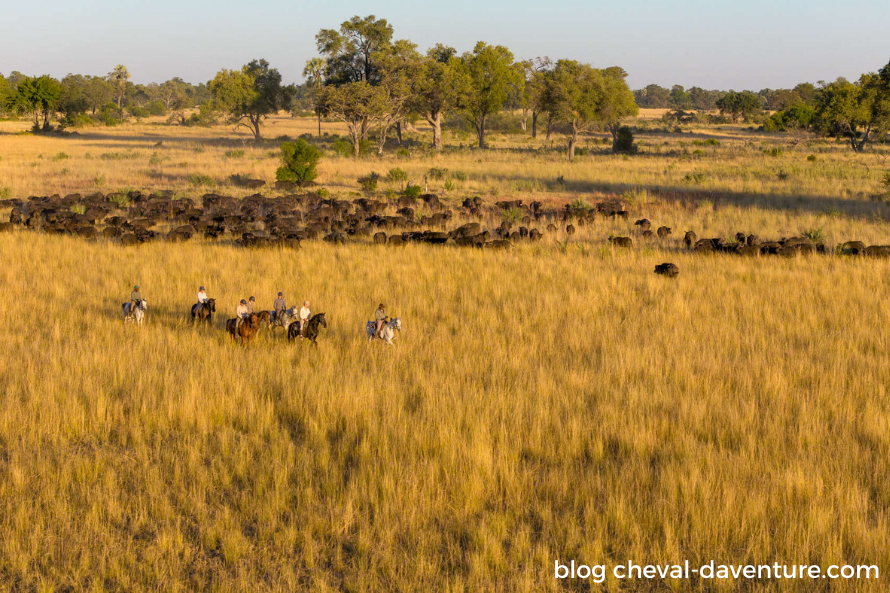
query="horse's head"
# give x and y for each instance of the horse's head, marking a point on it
(211, 304)
(321, 319)
(143, 304)
(396, 323)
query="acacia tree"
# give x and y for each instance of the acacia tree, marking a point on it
(118, 79)
(314, 73)
(357, 104)
(487, 75)
(250, 95)
(35, 97)
(856, 111)
(534, 89)
(350, 51)
(434, 87)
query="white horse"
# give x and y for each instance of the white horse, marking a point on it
(138, 312)
(285, 318)
(387, 333)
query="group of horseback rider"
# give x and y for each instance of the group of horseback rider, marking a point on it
(246, 308)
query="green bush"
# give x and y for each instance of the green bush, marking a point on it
(413, 191)
(816, 235)
(234, 154)
(138, 112)
(396, 175)
(299, 161)
(78, 208)
(156, 108)
(625, 140)
(812, 158)
(437, 173)
(60, 156)
(197, 180)
(369, 182)
(459, 176)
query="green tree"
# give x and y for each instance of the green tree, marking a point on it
(856, 111)
(299, 161)
(314, 73)
(357, 104)
(5, 92)
(680, 99)
(72, 99)
(118, 79)
(250, 95)
(487, 75)
(434, 89)
(36, 98)
(653, 97)
(617, 103)
(399, 65)
(350, 51)
(573, 93)
(742, 104)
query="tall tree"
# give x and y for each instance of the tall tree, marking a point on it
(487, 76)
(118, 79)
(434, 89)
(535, 83)
(679, 97)
(250, 95)
(350, 50)
(617, 103)
(35, 97)
(399, 65)
(357, 104)
(573, 93)
(314, 73)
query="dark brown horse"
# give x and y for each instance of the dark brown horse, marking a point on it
(263, 317)
(246, 330)
(203, 312)
(311, 331)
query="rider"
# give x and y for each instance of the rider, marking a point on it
(241, 313)
(135, 297)
(305, 314)
(251, 305)
(202, 296)
(279, 306)
(379, 319)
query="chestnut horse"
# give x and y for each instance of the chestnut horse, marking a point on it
(246, 330)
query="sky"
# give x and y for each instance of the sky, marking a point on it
(713, 44)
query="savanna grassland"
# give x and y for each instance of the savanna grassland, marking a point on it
(554, 401)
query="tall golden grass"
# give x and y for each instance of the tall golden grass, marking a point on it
(551, 402)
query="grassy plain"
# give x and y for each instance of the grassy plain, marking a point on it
(557, 401)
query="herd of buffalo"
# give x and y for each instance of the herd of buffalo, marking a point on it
(287, 220)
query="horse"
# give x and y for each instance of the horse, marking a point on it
(285, 318)
(204, 311)
(246, 330)
(311, 332)
(263, 317)
(387, 333)
(138, 312)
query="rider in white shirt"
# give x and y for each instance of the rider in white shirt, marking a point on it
(241, 313)
(202, 296)
(305, 314)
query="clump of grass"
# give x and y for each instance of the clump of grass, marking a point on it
(199, 180)
(815, 234)
(60, 156)
(78, 208)
(773, 152)
(511, 215)
(812, 158)
(459, 176)
(118, 156)
(122, 200)
(695, 177)
(437, 172)
(5, 193)
(99, 180)
(234, 154)
(413, 191)
(156, 159)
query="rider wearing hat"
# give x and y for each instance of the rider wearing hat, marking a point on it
(279, 306)
(202, 296)
(251, 305)
(135, 297)
(241, 313)
(379, 319)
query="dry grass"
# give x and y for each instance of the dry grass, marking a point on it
(555, 401)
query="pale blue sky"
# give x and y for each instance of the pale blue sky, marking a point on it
(714, 44)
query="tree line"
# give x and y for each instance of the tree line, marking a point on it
(376, 85)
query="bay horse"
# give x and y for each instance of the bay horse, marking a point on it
(264, 317)
(311, 333)
(203, 312)
(246, 330)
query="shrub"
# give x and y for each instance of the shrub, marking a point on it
(78, 208)
(413, 191)
(99, 180)
(155, 159)
(625, 141)
(437, 173)
(396, 175)
(459, 176)
(816, 235)
(60, 156)
(234, 154)
(197, 179)
(122, 200)
(694, 177)
(138, 112)
(812, 158)
(5, 192)
(511, 215)
(580, 204)
(886, 180)
(369, 182)
(299, 161)
(156, 108)
(773, 152)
